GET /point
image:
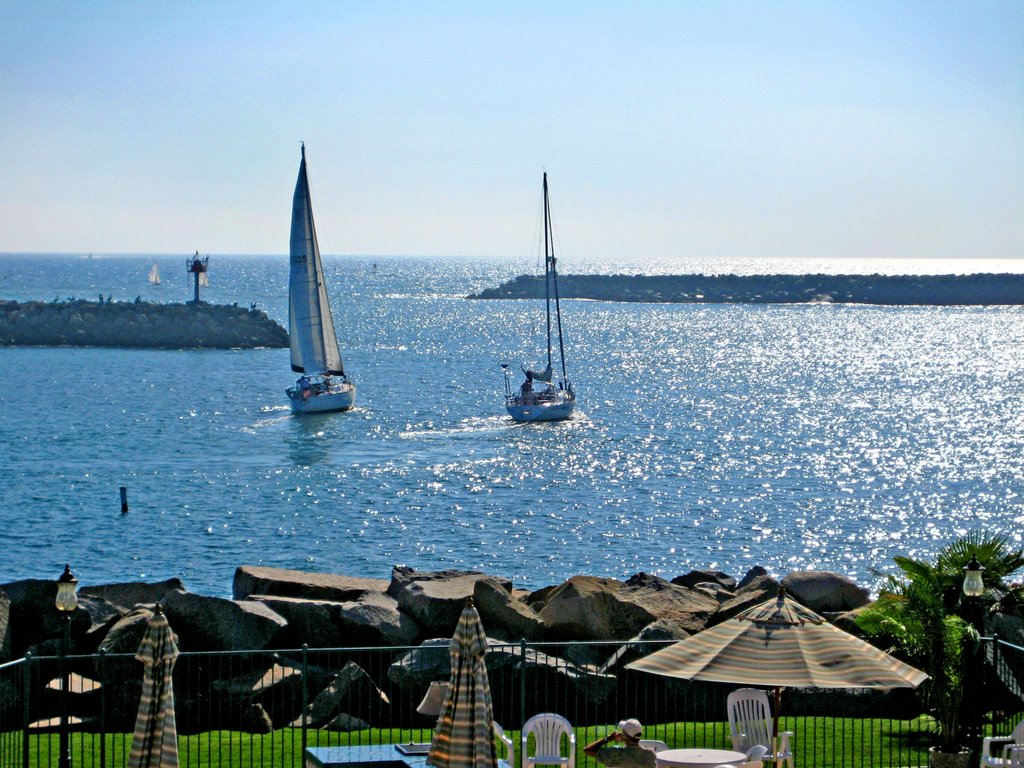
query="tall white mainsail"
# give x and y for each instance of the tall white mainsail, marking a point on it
(313, 342)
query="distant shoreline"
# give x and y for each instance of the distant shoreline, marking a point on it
(911, 290)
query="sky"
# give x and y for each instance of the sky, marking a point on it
(669, 129)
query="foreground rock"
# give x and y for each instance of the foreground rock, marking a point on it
(138, 324)
(339, 653)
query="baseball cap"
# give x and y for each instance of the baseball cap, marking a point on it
(631, 728)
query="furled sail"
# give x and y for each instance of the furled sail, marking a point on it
(314, 345)
(544, 375)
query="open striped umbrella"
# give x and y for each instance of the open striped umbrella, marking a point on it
(464, 737)
(155, 744)
(780, 643)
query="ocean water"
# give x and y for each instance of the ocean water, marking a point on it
(721, 436)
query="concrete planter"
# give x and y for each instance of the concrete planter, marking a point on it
(937, 759)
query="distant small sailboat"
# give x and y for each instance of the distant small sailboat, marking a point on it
(154, 275)
(323, 386)
(549, 403)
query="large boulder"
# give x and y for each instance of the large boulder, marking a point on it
(253, 580)
(130, 594)
(435, 599)
(593, 608)
(756, 572)
(756, 590)
(102, 616)
(216, 624)
(353, 696)
(274, 692)
(693, 578)
(652, 638)
(824, 591)
(503, 615)
(310, 622)
(372, 620)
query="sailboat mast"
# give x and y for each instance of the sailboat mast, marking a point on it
(552, 273)
(547, 264)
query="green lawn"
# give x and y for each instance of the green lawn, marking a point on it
(817, 743)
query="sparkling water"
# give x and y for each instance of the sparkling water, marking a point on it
(710, 436)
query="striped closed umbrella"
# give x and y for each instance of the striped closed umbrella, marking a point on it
(155, 744)
(780, 643)
(464, 735)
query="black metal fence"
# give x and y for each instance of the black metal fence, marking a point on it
(263, 708)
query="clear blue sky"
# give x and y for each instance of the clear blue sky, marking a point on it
(691, 129)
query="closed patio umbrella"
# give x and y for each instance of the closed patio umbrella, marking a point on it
(780, 643)
(155, 744)
(464, 737)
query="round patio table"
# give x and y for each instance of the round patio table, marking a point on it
(699, 758)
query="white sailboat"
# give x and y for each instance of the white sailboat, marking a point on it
(323, 386)
(554, 399)
(154, 275)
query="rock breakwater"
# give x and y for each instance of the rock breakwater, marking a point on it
(397, 635)
(935, 290)
(138, 324)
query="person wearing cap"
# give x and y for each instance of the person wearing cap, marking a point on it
(627, 753)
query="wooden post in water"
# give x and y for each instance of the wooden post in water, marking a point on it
(124, 499)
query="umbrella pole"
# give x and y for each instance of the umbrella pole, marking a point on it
(775, 729)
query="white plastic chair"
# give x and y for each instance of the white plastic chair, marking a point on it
(653, 745)
(754, 756)
(548, 730)
(750, 724)
(502, 739)
(1015, 757)
(995, 749)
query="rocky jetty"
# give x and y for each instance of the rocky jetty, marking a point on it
(398, 634)
(937, 290)
(138, 324)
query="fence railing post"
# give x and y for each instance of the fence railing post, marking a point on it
(305, 698)
(26, 707)
(103, 706)
(522, 687)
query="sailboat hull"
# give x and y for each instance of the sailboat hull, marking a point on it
(341, 398)
(558, 408)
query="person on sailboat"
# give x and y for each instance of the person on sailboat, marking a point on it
(304, 386)
(526, 390)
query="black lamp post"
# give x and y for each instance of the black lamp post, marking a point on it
(973, 589)
(67, 604)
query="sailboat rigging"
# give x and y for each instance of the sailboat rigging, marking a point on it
(549, 402)
(323, 386)
(154, 275)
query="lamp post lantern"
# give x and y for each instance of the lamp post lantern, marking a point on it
(974, 585)
(67, 604)
(973, 589)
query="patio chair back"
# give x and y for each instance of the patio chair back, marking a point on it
(995, 749)
(549, 732)
(750, 725)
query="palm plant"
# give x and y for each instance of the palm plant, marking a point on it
(920, 615)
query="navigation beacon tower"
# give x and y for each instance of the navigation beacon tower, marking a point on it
(198, 267)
